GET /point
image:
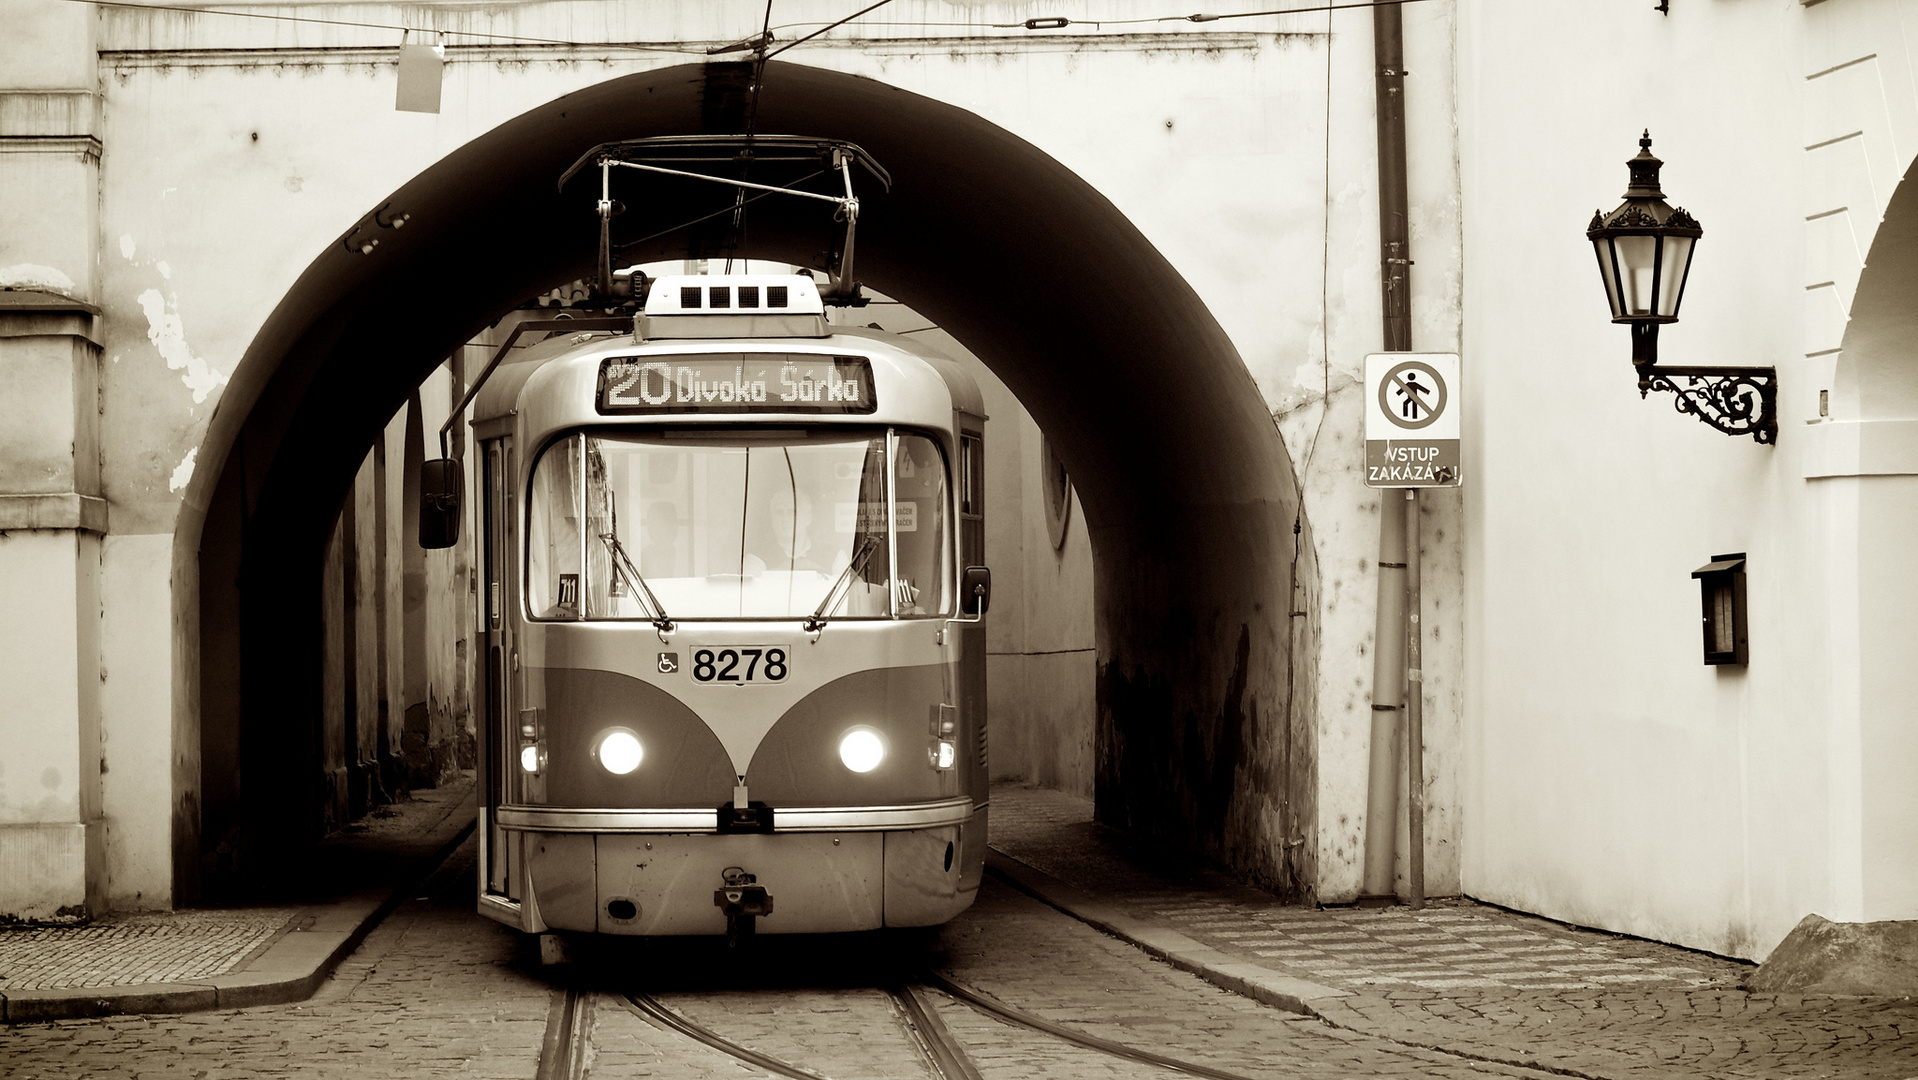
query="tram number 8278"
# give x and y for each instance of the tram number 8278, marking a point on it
(724, 665)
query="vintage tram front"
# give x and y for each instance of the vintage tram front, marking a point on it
(730, 679)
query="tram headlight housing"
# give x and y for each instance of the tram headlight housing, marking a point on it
(618, 751)
(861, 749)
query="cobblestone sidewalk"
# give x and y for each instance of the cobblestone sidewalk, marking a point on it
(1471, 979)
(199, 958)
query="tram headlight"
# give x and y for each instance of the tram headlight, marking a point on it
(529, 757)
(944, 755)
(619, 751)
(861, 749)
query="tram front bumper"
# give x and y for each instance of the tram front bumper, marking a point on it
(662, 884)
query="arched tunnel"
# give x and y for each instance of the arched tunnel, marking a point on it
(1187, 489)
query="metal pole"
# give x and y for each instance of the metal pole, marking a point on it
(1389, 636)
(1414, 708)
(1388, 677)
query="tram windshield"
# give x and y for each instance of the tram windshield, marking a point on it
(738, 524)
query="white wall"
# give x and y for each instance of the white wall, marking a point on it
(1616, 780)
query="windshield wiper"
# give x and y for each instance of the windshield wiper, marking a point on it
(834, 595)
(641, 591)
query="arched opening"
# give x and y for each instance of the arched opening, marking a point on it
(1186, 487)
(1865, 477)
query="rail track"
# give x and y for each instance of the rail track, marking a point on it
(914, 1005)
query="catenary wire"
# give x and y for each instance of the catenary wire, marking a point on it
(688, 48)
(666, 48)
(823, 29)
(1059, 23)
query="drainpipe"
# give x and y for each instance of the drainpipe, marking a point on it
(1389, 637)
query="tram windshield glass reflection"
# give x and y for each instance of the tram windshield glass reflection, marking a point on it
(737, 524)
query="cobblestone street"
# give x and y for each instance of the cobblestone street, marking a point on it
(434, 991)
(1456, 990)
(439, 991)
(1476, 980)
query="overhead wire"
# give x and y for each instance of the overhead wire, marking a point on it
(1325, 269)
(673, 47)
(690, 48)
(738, 232)
(1060, 22)
(829, 26)
(716, 213)
(1294, 603)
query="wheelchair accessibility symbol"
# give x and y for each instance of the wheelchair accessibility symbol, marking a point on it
(668, 663)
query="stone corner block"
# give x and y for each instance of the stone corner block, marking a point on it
(1824, 957)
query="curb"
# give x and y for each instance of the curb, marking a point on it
(1250, 980)
(291, 968)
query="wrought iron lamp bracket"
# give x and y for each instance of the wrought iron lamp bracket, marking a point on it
(1735, 400)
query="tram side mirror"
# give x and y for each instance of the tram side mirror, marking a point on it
(975, 590)
(441, 484)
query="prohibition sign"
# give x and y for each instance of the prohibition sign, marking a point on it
(1413, 410)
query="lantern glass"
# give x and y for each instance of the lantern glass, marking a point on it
(1677, 261)
(1638, 273)
(1608, 269)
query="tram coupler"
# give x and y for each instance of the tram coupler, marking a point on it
(754, 817)
(743, 901)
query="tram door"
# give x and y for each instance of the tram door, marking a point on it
(972, 552)
(500, 526)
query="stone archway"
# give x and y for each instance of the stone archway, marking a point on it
(1186, 486)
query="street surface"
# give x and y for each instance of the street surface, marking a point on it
(438, 991)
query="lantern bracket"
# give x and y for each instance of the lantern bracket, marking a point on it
(1735, 400)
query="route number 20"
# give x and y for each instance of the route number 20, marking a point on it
(748, 664)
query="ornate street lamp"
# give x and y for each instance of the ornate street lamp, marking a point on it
(1645, 255)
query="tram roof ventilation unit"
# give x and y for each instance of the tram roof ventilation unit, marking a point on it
(736, 305)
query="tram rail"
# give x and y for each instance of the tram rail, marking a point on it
(569, 1022)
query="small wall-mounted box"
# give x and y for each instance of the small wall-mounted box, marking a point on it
(1722, 594)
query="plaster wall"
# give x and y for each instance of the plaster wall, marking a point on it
(49, 159)
(49, 46)
(52, 841)
(1319, 408)
(1615, 780)
(47, 415)
(51, 770)
(140, 760)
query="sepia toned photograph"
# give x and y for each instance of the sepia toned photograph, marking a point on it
(958, 539)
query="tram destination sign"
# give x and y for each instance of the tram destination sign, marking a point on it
(1411, 420)
(736, 383)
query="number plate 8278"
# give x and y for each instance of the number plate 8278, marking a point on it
(741, 664)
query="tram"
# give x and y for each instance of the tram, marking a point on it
(730, 605)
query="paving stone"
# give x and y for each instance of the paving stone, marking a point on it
(1478, 980)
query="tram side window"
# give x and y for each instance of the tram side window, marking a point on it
(924, 533)
(553, 542)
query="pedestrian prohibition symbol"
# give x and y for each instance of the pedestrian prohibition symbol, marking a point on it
(1411, 423)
